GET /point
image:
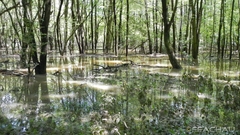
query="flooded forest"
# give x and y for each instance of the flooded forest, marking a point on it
(119, 67)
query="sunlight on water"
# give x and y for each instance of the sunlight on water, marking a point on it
(103, 87)
(53, 96)
(80, 88)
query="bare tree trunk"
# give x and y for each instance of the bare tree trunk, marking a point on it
(115, 28)
(214, 21)
(231, 22)
(66, 25)
(148, 28)
(167, 26)
(109, 28)
(92, 23)
(238, 40)
(185, 46)
(24, 31)
(196, 25)
(127, 28)
(220, 27)
(44, 22)
(161, 37)
(156, 48)
(120, 42)
(173, 30)
(223, 40)
(72, 42)
(180, 30)
(58, 36)
(96, 28)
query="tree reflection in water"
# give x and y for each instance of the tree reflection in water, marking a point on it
(74, 99)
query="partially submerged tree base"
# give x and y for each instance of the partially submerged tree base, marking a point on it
(167, 26)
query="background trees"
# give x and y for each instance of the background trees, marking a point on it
(118, 27)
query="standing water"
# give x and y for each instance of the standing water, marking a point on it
(98, 94)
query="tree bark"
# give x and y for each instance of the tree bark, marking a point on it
(156, 48)
(109, 27)
(44, 22)
(231, 22)
(127, 28)
(220, 27)
(148, 27)
(120, 42)
(167, 26)
(195, 23)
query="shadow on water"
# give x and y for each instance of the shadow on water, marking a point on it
(101, 94)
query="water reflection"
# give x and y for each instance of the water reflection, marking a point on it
(72, 91)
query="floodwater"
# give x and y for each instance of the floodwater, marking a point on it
(78, 84)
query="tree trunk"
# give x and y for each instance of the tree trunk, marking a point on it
(24, 36)
(58, 29)
(127, 28)
(109, 28)
(238, 31)
(173, 30)
(44, 22)
(96, 28)
(92, 25)
(231, 22)
(120, 42)
(156, 48)
(220, 27)
(195, 23)
(115, 28)
(213, 33)
(66, 25)
(180, 30)
(148, 27)
(185, 45)
(167, 26)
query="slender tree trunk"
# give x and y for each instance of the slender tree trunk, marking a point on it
(24, 36)
(96, 27)
(127, 28)
(153, 27)
(224, 33)
(115, 28)
(66, 25)
(213, 33)
(156, 48)
(109, 28)
(85, 30)
(180, 30)
(173, 30)
(73, 25)
(58, 35)
(194, 30)
(148, 28)
(190, 41)
(167, 26)
(185, 46)
(161, 37)
(120, 42)
(231, 23)
(195, 23)
(92, 26)
(79, 30)
(220, 27)
(238, 31)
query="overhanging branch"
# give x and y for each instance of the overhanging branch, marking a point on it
(8, 9)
